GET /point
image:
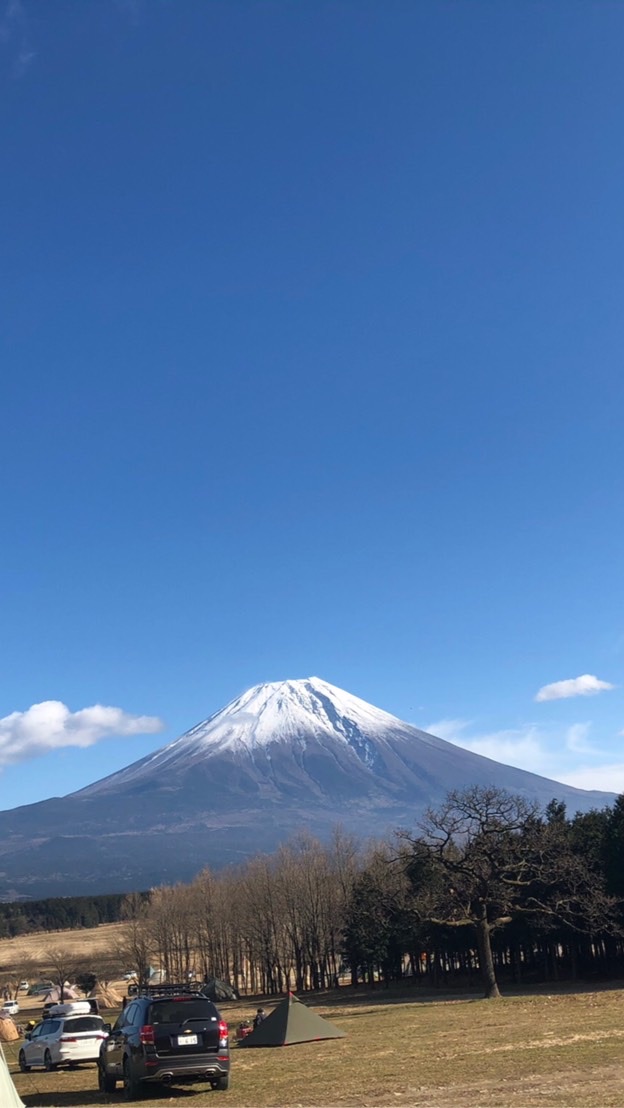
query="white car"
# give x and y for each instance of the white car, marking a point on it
(70, 1034)
(10, 1008)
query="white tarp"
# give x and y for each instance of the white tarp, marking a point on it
(8, 1092)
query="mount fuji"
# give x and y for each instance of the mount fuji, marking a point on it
(280, 758)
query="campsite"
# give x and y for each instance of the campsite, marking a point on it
(556, 1048)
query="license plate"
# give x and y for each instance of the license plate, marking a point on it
(187, 1040)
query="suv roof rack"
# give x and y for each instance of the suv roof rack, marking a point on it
(171, 990)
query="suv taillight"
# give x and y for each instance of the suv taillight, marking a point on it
(146, 1034)
(223, 1040)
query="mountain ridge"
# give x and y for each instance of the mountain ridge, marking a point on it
(283, 755)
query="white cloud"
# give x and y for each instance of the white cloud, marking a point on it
(606, 778)
(530, 747)
(51, 725)
(560, 753)
(576, 738)
(586, 685)
(521, 747)
(449, 729)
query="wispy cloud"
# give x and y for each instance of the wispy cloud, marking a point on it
(576, 739)
(15, 37)
(585, 685)
(607, 778)
(550, 753)
(449, 729)
(51, 725)
(12, 19)
(524, 747)
(23, 61)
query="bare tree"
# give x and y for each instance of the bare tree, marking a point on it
(172, 927)
(469, 866)
(217, 931)
(261, 924)
(65, 965)
(485, 856)
(135, 944)
(24, 967)
(103, 966)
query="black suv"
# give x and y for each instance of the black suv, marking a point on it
(170, 1034)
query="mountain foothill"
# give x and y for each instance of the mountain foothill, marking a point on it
(282, 757)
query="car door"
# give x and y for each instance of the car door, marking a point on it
(33, 1049)
(51, 1039)
(114, 1046)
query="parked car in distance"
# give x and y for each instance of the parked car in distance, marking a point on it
(168, 1035)
(91, 1002)
(42, 988)
(130, 976)
(69, 1035)
(23, 987)
(10, 1007)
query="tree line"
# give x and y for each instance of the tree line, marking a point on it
(487, 889)
(59, 913)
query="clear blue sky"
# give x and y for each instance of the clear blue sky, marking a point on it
(311, 364)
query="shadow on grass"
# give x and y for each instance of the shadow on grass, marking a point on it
(349, 997)
(62, 1099)
(65, 1098)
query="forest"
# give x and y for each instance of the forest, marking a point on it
(59, 913)
(485, 892)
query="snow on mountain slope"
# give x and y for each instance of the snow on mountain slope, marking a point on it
(306, 740)
(279, 758)
(291, 713)
(285, 711)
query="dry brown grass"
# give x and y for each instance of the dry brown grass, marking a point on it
(560, 1050)
(81, 944)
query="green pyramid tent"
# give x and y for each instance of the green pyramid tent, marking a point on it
(291, 1022)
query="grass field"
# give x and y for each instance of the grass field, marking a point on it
(547, 1049)
(81, 943)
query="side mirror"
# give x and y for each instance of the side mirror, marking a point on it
(27, 1035)
(108, 1027)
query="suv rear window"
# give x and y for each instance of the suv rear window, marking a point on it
(84, 1023)
(177, 1011)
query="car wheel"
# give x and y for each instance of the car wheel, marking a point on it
(222, 1083)
(22, 1062)
(47, 1061)
(106, 1084)
(132, 1087)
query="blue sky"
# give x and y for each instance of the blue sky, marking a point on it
(312, 364)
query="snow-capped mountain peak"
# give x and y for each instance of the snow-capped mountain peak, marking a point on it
(284, 711)
(294, 714)
(280, 757)
(306, 738)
